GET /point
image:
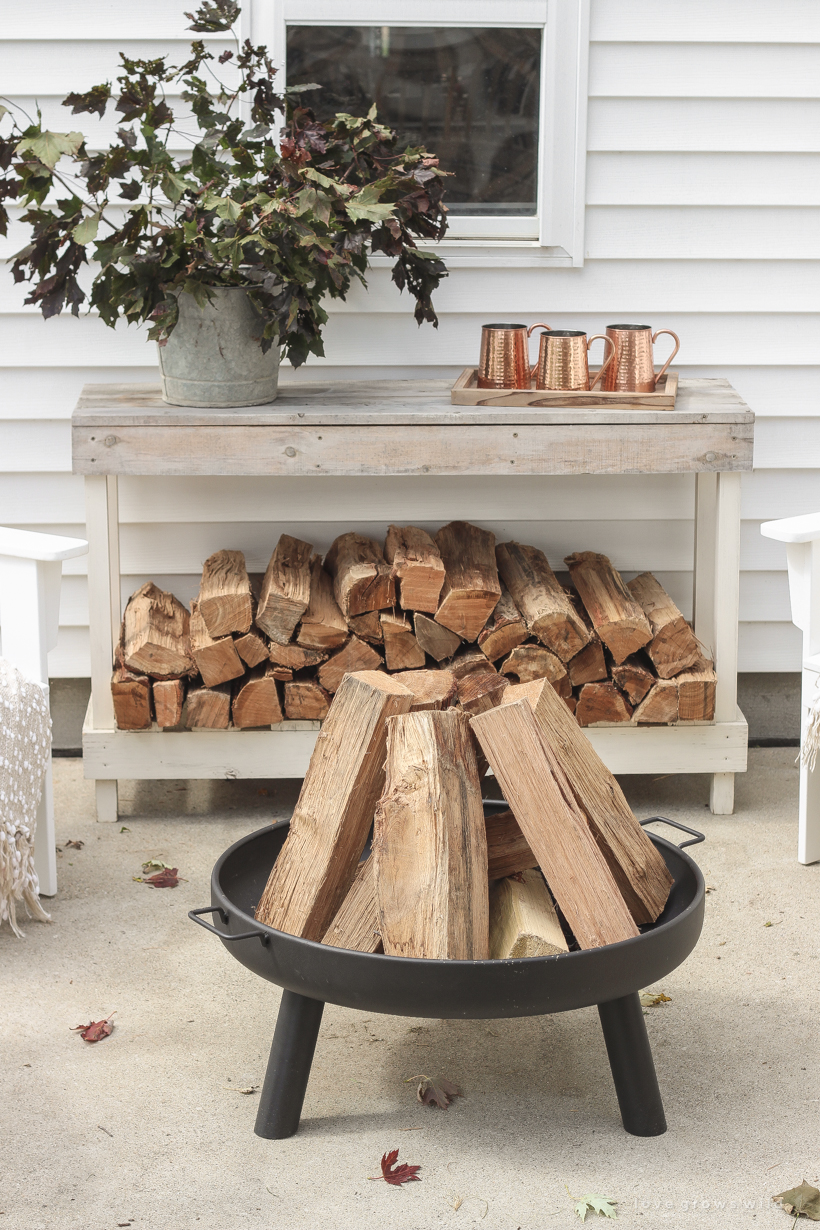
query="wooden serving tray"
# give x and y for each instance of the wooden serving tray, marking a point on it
(465, 392)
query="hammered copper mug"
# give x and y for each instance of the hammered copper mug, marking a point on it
(563, 362)
(634, 368)
(504, 362)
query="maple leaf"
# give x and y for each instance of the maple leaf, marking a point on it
(598, 1204)
(396, 1175)
(650, 999)
(804, 1200)
(163, 879)
(432, 1092)
(154, 864)
(95, 1031)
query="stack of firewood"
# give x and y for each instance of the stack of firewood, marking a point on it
(253, 651)
(567, 865)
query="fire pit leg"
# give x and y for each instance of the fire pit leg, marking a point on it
(633, 1069)
(291, 1054)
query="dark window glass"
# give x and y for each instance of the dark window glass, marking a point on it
(469, 95)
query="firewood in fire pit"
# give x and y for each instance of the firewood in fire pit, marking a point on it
(209, 708)
(131, 694)
(429, 843)
(401, 649)
(361, 575)
(256, 699)
(416, 564)
(471, 587)
(503, 630)
(354, 656)
(544, 603)
(306, 700)
(225, 594)
(553, 824)
(638, 867)
(660, 705)
(508, 850)
(317, 863)
(356, 925)
(431, 689)
(169, 698)
(156, 634)
(616, 616)
(285, 592)
(523, 922)
(216, 660)
(323, 625)
(602, 702)
(673, 647)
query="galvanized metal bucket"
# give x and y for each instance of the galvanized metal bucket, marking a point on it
(214, 358)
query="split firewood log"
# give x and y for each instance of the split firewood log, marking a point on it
(508, 850)
(295, 657)
(209, 708)
(285, 594)
(468, 659)
(529, 662)
(401, 649)
(283, 673)
(660, 705)
(439, 642)
(416, 565)
(523, 921)
(225, 600)
(504, 630)
(328, 829)
(471, 587)
(480, 690)
(696, 692)
(602, 702)
(634, 678)
(354, 656)
(217, 660)
(674, 647)
(362, 580)
(131, 694)
(638, 867)
(356, 926)
(556, 828)
(367, 627)
(616, 616)
(429, 842)
(323, 625)
(169, 700)
(545, 604)
(589, 665)
(256, 699)
(252, 647)
(306, 700)
(431, 689)
(155, 634)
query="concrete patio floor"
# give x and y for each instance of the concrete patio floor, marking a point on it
(149, 1127)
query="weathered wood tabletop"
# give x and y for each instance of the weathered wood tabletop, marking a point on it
(405, 427)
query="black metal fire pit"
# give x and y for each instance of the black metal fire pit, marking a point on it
(313, 975)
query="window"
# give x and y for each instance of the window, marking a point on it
(496, 88)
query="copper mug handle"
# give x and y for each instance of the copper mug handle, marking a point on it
(603, 337)
(548, 328)
(655, 337)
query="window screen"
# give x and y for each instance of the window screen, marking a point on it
(470, 95)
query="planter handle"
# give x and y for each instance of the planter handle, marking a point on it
(216, 909)
(676, 824)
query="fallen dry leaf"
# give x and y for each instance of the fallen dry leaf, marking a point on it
(601, 1205)
(237, 1089)
(649, 999)
(801, 1201)
(75, 845)
(155, 864)
(396, 1175)
(94, 1031)
(161, 879)
(435, 1091)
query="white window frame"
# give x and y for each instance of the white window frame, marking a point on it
(555, 235)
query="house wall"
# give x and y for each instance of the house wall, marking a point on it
(702, 215)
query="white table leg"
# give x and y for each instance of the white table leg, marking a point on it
(45, 853)
(703, 577)
(107, 800)
(808, 837)
(102, 522)
(726, 613)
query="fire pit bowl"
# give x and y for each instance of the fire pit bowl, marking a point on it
(313, 974)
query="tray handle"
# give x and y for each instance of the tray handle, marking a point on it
(194, 916)
(676, 824)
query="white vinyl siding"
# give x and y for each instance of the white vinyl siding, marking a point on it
(703, 215)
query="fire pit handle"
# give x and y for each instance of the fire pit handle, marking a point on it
(215, 909)
(676, 824)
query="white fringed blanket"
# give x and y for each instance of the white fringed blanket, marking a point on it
(25, 746)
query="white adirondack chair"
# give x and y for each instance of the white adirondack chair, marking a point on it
(802, 538)
(30, 574)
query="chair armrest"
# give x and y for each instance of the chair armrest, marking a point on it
(26, 544)
(793, 529)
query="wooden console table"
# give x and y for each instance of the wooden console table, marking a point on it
(410, 428)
